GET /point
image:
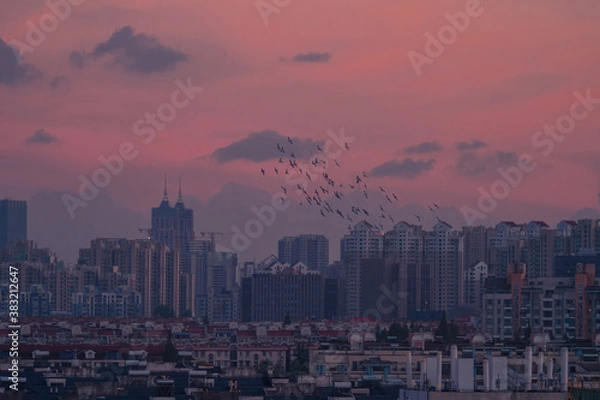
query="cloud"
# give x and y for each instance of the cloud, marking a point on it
(59, 81)
(12, 71)
(424, 147)
(408, 168)
(262, 146)
(473, 145)
(136, 52)
(77, 59)
(41, 137)
(473, 164)
(312, 57)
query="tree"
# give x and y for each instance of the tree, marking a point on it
(452, 331)
(287, 320)
(449, 332)
(301, 357)
(163, 311)
(442, 329)
(400, 331)
(170, 351)
(264, 366)
(278, 370)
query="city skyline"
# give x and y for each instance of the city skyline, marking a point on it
(265, 245)
(433, 135)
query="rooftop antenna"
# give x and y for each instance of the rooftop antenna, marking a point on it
(180, 199)
(165, 196)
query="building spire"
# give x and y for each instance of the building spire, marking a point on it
(179, 198)
(165, 196)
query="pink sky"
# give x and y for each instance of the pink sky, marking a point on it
(513, 70)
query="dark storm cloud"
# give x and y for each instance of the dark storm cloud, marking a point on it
(136, 52)
(312, 57)
(408, 168)
(12, 71)
(41, 137)
(473, 164)
(472, 145)
(424, 147)
(262, 146)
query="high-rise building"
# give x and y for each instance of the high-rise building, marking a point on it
(270, 296)
(381, 290)
(587, 235)
(13, 221)
(152, 269)
(476, 244)
(405, 242)
(538, 252)
(444, 252)
(309, 249)
(563, 307)
(363, 241)
(505, 246)
(173, 225)
(474, 284)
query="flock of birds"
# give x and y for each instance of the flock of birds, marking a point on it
(327, 196)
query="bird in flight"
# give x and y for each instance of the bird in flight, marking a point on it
(290, 140)
(418, 217)
(262, 170)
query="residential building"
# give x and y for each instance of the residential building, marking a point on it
(13, 221)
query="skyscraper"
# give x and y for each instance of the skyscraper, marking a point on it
(309, 249)
(13, 221)
(174, 226)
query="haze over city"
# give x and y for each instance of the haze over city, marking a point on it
(434, 132)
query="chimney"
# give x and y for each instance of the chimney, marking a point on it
(549, 368)
(486, 375)
(438, 378)
(564, 369)
(409, 378)
(540, 367)
(454, 365)
(528, 365)
(423, 376)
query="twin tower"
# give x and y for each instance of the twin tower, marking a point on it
(173, 225)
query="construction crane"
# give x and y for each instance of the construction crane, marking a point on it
(212, 237)
(147, 231)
